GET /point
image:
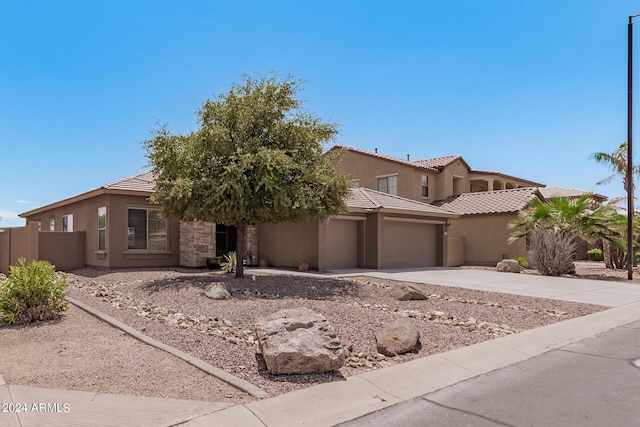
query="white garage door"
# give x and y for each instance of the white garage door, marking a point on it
(342, 244)
(408, 244)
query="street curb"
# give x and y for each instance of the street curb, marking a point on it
(238, 383)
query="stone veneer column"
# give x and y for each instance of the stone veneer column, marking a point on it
(251, 242)
(197, 243)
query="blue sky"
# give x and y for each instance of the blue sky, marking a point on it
(527, 88)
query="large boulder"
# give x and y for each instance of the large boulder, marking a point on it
(298, 341)
(508, 266)
(218, 290)
(397, 338)
(405, 292)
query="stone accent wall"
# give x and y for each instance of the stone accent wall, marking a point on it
(197, 242)
(251, 243)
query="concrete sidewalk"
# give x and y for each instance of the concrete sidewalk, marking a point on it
(406, 384)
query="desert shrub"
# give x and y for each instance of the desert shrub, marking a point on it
(229, 263)
(32, 292)
(523, 262)
(551, 252)
(595, 254)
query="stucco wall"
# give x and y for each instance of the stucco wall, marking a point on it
(64, 250)
(85, 218)
(367, 168)
(485, 238)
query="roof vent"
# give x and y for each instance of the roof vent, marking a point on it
(408, 157)
(376, 150)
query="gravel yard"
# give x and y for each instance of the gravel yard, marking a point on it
(170, 306)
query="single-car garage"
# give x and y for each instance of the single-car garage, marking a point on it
(342, 244)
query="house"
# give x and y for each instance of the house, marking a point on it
(401, 213)
(485, 201)
(116, 226)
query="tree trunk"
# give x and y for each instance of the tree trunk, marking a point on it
(241, 227)
(606, 249)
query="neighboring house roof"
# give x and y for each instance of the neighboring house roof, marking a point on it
(490, 202)
(365, 199)
(549, 192)
(514, 178)
(141, 184)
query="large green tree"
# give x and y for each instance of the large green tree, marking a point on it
(257, 157)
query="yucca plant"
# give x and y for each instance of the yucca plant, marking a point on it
(32, 291)
(229, 263)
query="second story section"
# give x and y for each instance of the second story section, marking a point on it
(423, 180)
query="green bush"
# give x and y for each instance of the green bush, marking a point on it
(595, 254)
(32, 292)
(523, 262)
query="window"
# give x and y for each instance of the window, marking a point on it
(388, 184)
(67, 223)
(354, 183)
(52, 224)
(146, 230)
(102, 228)
(425, 186)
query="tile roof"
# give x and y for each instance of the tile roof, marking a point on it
(384, 156)
(549, 192)
(514, 178)
(489, 202)
(438, 162)
(144, 181)
(365, 198)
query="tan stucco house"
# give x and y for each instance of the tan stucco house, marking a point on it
(485, 201)
(401, 213)
(116, 226)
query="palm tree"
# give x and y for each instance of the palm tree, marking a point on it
(617, 162)
(578, 217)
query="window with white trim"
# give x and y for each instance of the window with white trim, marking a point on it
(146, 230)
(52, 224)
(102, 228)
(425, 185)
(388, 184)
(67, 223)
(354, 183)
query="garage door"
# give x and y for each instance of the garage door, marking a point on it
(408, 244)
(342, 244)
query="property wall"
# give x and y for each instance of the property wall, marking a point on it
(485, 238)
(5, 249)
(285, 245)
(66, 251)
(24, 243)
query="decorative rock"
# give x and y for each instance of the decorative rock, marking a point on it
(218, 291)
(397, 338)
(508, 266)
(407, 292)
(298, 341)
(303, 266)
